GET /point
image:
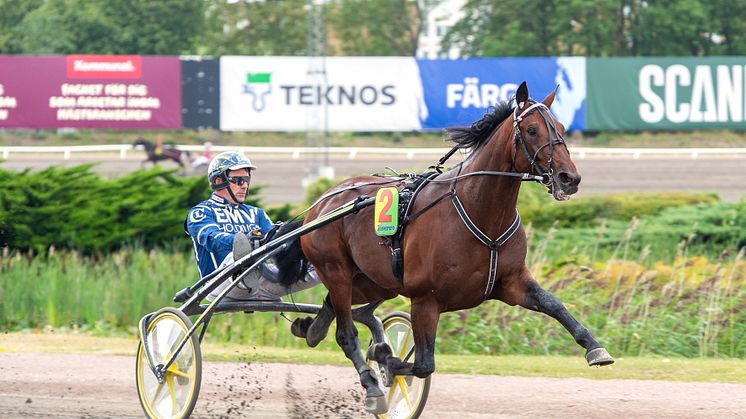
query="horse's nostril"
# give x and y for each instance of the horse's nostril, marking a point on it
(568, 178)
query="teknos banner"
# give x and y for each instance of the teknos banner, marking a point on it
(458, 92)
(666, 93)
(90, 91)
(291, 94)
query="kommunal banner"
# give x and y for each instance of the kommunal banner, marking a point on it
(459, 92)
(90, 91)
(333, 93)
(666, 93)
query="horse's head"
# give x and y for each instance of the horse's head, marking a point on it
(140, 141)
(540, 145)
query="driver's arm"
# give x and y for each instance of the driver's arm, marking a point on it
(202, 227)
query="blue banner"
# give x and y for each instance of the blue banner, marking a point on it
(459, 92)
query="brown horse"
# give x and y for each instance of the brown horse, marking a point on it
(154, 156)
(451, 261)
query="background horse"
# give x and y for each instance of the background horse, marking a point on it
(165, 154)
(463, 244)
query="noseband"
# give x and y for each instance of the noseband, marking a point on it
(554, 138)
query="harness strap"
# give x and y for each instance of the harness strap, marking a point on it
(407, 218)
(492, 244)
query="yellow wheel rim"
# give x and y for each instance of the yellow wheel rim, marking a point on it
(407, 395)
(176, 396)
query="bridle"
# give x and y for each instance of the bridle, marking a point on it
(554, 138)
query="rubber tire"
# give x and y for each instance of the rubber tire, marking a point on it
(192, 344)
(404, 318)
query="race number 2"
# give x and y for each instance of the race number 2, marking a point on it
(387, 211)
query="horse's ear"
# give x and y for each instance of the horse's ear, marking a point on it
(550, 97)
(521, 96)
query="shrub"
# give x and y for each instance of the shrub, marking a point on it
(77, 209)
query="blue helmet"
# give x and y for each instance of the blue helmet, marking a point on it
(225, 161)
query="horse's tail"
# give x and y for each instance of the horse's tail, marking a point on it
(291, 263)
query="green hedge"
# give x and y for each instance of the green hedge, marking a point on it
(708, 228)
(540, 209)
(75, 208)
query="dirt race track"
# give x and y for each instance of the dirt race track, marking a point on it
(97, 386)
(282, 175)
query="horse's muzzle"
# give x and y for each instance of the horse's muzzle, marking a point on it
(565, 184)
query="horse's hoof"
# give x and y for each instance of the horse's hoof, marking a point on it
(598, 357)
(299, 327)
(376, 405)
(380, 352)
(319, 328)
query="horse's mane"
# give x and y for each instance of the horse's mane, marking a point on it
(477, 134)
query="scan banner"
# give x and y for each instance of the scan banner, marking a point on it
(317, 94)
(90, 91)
(671, 93)
(459, 92)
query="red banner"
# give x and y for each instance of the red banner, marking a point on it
(90, 91)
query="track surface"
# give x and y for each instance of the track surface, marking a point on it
(93, 386)
(283, 175)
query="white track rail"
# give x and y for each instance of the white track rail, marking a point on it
(352, 152)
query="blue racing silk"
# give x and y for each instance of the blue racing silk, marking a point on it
(212, 224)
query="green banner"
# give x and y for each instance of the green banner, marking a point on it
(665, 93)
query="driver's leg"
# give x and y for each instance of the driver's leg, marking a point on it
(267, 288)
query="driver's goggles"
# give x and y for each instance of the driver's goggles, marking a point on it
(240, 180)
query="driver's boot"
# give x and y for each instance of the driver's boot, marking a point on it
(314, 330)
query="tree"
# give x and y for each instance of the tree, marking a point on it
(13, 12)
(507, 28)
(113, 27)
(671, 27)
(273, 27)
(376, 27)
(600, 28)
(163, 27)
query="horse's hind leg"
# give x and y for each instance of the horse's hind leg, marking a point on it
(341, 299)
(538, 299)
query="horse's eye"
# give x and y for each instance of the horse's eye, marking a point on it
(532, 131)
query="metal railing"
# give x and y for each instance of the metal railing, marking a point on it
(353, 152)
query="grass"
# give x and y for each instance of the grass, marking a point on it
(638, 368)
(625, 302)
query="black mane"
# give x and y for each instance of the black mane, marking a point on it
(477, 134)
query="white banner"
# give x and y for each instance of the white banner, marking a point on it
(293, 94)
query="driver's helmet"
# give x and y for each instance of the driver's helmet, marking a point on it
(225, 161)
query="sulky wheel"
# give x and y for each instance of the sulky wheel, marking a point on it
(177, 395)
(407, 395)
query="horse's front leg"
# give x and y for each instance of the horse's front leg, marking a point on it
(533, 297)
(425, 316)
(341, 299)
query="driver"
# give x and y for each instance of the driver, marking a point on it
(214, 223)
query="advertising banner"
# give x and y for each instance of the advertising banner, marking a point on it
(200, 92)
(90, 91)
(316, 94)
(459, 92)
(670, 93)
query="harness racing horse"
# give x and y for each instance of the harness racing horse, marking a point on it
(165, 154)
(464, 243)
